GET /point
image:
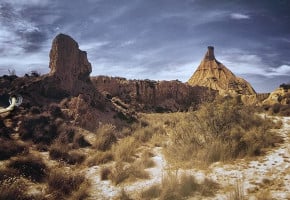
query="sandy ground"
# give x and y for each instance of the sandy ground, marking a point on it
(268, 174)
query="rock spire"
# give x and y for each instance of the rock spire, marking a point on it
(213, 74)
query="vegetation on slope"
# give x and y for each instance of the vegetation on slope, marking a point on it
(219, 131)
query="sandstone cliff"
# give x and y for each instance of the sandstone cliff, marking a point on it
(213, 74)
(148, 95)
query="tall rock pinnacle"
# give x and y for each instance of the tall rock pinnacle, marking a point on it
(213, 74)
(209, 54)
(68, 63)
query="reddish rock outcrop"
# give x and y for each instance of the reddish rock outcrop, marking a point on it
(213, 74)
(68, 64)
(148, 95)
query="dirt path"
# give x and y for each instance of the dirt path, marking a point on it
(269, 173)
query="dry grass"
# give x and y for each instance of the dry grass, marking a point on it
(152, 192)
(62, 152)
(146, 160)
(264, 195)
(65, 183)
(16, 189)
(105, 137)
(220, 131)
(9, 148)
(99, 157)
(121, 172)
(238, 193)
(174, 187)
(38, 128)
(125, 149)
(123, 196)
(30, 167)
(8, 173)
(104, 173)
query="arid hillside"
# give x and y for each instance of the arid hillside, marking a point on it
(66, 135)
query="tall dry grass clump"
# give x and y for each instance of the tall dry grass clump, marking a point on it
(30, 167)
(122, 172)
(63, 184)
(175, 187)
(106, 136)
(219, 131)
(125, 149)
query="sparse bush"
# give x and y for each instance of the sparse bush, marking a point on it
(7, 173)
(106, 137)
(30, 167)
(9, 148)
(238, 193)
(105, 172)
(152, 192)
(55, 110)
(220, 131)
(123, 196)
(38, 128)
(64, 182)
(80, 141)
(100, 157)
(122, 172)
(146, 160)
(144, 134)
(62, 152)
(14, 189)
(175, 187)
(125, 149)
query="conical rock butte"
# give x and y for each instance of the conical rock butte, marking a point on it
(213, 74)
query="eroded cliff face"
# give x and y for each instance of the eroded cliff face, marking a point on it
(213, 74)
(147, 95)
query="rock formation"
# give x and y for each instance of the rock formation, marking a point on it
(213, 74)
(68, 86)
(279, 96)
(68, 63)
(152, 96)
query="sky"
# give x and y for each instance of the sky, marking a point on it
(152, 39)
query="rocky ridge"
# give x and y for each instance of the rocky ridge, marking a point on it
(152, 96)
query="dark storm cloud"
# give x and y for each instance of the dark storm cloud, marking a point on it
(164, 39)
